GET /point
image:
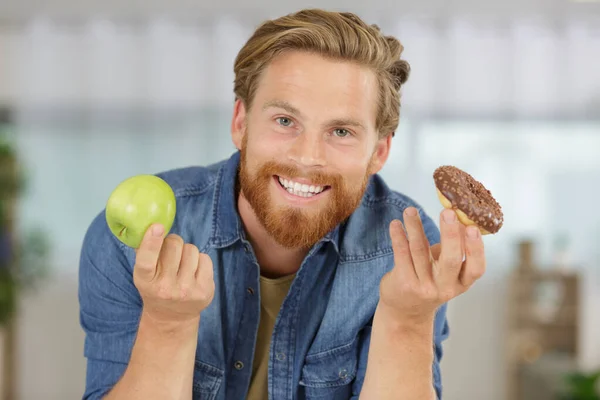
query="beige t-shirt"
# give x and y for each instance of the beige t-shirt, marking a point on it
(272, 294)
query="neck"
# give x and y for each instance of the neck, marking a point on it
(274, 260)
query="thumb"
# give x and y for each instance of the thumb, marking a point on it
(146, 256)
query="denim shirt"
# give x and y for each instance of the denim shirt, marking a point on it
(320, 341)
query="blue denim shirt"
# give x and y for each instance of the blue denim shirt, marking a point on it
(320, 342)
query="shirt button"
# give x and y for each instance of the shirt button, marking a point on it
(280, 356)
(238, 365)
(343, 373)
(250, 290)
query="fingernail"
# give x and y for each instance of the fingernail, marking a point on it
(157, 230)
(473, 232)
(449, 216)
(411, 211)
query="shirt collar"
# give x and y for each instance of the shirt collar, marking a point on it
(226, 222)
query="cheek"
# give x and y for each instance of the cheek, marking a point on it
(352, 161)
(267, 143)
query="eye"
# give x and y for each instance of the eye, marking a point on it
(340, 132)
(284, 121)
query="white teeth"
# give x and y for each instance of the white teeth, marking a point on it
(301, 194)
(299, 189)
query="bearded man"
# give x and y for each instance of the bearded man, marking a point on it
(292, 270)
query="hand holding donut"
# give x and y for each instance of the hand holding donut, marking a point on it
(473, 203)
(424, 277)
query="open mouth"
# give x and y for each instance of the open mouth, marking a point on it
(301, 189)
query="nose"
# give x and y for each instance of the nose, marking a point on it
(307, 150)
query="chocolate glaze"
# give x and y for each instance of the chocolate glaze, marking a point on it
(469, 196)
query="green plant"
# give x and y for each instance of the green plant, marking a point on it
(22, 258)
(582, 386)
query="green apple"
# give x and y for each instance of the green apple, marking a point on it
(135, 204)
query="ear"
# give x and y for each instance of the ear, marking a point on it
(380, 154)
(238, 123)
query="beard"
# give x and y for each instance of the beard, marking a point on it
(294, 227)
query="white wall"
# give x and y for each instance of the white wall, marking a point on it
(465, 66)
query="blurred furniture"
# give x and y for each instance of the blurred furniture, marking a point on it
(543, 328)
(544, 378)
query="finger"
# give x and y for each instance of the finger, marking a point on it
(204, 272)
(475, 264)
(418, 243)
(188, 264)
(402, 257)
(146, 256)
(170, 257)
(451, 256)
(205, 280)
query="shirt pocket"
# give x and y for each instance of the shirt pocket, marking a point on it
(330, 374)
(207, 381)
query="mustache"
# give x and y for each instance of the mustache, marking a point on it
(288, 171)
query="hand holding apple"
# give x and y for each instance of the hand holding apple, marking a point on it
(174, 279)
(136, 204)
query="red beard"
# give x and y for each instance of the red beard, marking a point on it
(293, 227)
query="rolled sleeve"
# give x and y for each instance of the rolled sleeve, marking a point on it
(110, 308)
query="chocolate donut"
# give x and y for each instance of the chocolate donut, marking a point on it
(473, 203)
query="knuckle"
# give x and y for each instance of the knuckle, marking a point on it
(206, 296)
(406, 287)
(418, 247)
(429, 292)
(190, 248)
(144, 265)
(452, 259)
(205, 260)
(184, 291)
(174, 240)
(164, 291)
(475, 274)
(403, 251)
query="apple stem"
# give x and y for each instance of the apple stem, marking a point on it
(122, 231)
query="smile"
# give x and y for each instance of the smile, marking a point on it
(300, 189)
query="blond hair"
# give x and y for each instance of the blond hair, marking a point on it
(340, 36)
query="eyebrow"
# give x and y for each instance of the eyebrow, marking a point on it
(284, 105)
(347, 122)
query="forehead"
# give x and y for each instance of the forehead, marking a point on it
(318, 86)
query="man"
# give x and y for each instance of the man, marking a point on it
(287, 273)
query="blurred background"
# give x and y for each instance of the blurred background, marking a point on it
(94, 92)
